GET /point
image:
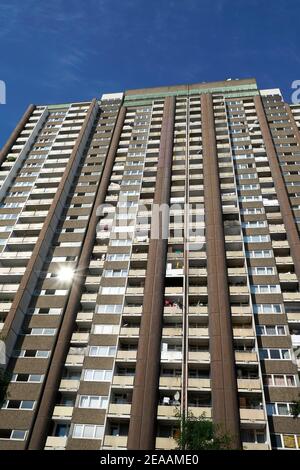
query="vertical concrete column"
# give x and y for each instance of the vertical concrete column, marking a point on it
(16, 132)
(225, 408)
(280, 186)
(142, 428)
(51, 384)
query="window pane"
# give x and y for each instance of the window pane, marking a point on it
(282, 409)
(99, 432)
(279, 380)
(290, 380)
(271, 330)
(94, 402)
(17, 434)
(263, 354)
(88, 375)
(78, 430)
(88, 431)
(274, 354)
(84, 402)
(285, 354)
(276, 441)
(271, 410)
(27, 405)
(289, 442)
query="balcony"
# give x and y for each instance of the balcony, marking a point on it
(171, 332)
(198, 310)
(287, 277)
(174, 290)
(252, 385)
(56, 443)
(165, 443)
(243, 333)
(198, 290)
(62, 412)
(291, 296)
(132, 310)
(250, 415)
(80, 338)
(246, 356)
(279, 228)
(123, 380)
(170, 382)
(128, 332)
(135, 291)
(199, 383)
(115, 442)
(171, 356)
(198, 332)
(284, 260)
(67, 385)
(118, 409)
(199, 356)
(74, 360)
(170, 411)
(197, 411)
(126, 355)
(255, 446)
(84, 317)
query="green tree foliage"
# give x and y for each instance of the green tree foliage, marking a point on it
(199, 433)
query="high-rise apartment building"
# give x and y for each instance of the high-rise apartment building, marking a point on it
(111, 327)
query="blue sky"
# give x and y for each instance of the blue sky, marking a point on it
(71, 50)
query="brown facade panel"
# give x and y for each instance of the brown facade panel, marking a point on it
(142, 428)
(225, 409)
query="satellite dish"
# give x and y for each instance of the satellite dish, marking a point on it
(177, 396)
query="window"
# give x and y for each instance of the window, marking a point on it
(18, 405)
(93, 401)
(270, 330)
(265, 353)
(102, 351)
(113, 290)
(115, 273)
(47, 311)
(13, 434)
(256, 238)
(105, 329)
(121, 242)
(263, 271)
(97, 375)
(259, 254)
(279, 380)
(87, 431)
(279, 409)
(118, 257)
(285, 441)
(265, 289)
(42, 331)
(31, 353)
(109, 308)
(30, 378)
(255, 224)
(267, 308)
